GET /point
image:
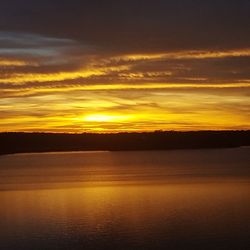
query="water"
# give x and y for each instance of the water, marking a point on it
(187, 199)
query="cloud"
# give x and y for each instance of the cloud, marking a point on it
(134, 26)
(38, 61)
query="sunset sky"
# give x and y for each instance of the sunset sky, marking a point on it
(112, 65)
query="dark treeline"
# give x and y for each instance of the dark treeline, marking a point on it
(159, 140)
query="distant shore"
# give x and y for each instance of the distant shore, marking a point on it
(17, 142)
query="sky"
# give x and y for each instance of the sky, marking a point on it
(113, 66)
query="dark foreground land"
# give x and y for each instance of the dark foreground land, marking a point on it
(48, 142)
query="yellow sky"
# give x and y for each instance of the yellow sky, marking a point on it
(59, 91)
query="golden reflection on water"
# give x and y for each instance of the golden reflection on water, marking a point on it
(125, 201)
(129, 206)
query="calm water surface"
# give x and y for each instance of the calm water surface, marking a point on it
(190, 199)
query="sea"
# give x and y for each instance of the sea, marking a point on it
(175, 199)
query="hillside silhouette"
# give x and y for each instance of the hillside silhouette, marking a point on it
(159, 140)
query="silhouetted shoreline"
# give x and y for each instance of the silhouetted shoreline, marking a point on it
(18, 142)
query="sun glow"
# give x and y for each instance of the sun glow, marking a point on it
(106, 118)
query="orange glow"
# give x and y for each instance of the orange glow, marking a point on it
(189, 54)
(16, 63)
(24, 78)
(116, 93)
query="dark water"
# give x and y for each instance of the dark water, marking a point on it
(196, 199)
